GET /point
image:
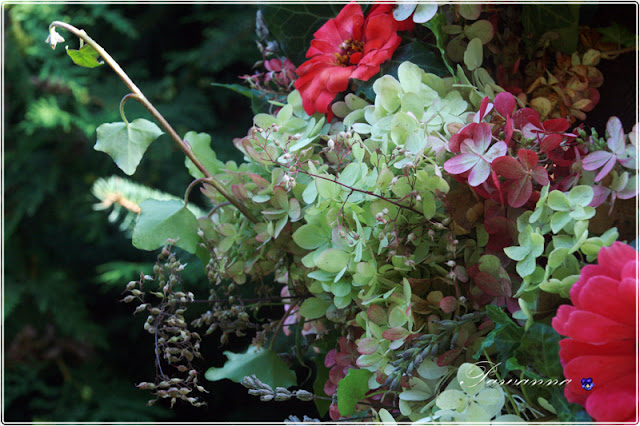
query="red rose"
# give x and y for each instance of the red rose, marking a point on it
(345, 47)
(602, 339)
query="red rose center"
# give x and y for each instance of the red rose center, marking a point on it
(350, 53)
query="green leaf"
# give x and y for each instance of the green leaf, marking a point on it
(293, 25)
(504, 338)
(428, 206)
(516, 252)
(557, 256)
(558, 201)
(351, 390)
(473, 54)
(126, 144)
(567, 411)
(260, 101)
(85, 57)
(314, 307)
(332, 260)
(581, 195)
(161, 220)
(201, 146)
(618, 34)
(435, 25)
(559, 220)
(322, 375)
(563, 19)
(416, 52)
(482, 29)
(309, 237)
(264, 363)
(540, 350)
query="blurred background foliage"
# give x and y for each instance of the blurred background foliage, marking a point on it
(72, 351)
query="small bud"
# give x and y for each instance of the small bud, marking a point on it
(54, 38)
(128, 299)
(418, 198)
(331, 144)
(304, 395)
(140, 308)
(385, 211)
(267, 398)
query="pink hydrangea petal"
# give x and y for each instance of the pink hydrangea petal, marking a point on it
(595, 160)
(505, 103)
(497, 150)
(336, 374)
(607, 168)
(330, 388)
(479, 173)
(461, 163)
(330, 358)
(616, 135)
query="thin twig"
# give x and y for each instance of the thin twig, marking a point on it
(140, 97)
(362, 191)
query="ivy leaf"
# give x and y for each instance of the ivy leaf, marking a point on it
(85, 57)
(351, 390)
(264, 363)
(538, 19)
(567, 411)
(201, 146)
(322, 375)
(539, 349)
(505, 338)
(126, 143)
(414, 52)
(618, 34)
(293, 25)
(435, 25)
(162, 220)
(260, 101)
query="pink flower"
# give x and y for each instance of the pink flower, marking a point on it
(476, 155)
(624, 154)
(602, 339)
(345, 47)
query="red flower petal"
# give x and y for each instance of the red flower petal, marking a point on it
(600, 295)
(603, 369)
(570, 348)
(615, 258)
(614, 402)
(594, 328)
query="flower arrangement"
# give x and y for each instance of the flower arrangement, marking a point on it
(425, 202)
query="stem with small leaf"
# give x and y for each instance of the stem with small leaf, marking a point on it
(137, 94)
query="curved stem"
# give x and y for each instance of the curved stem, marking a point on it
(191, 186)
(123, 101)
(140, 97)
